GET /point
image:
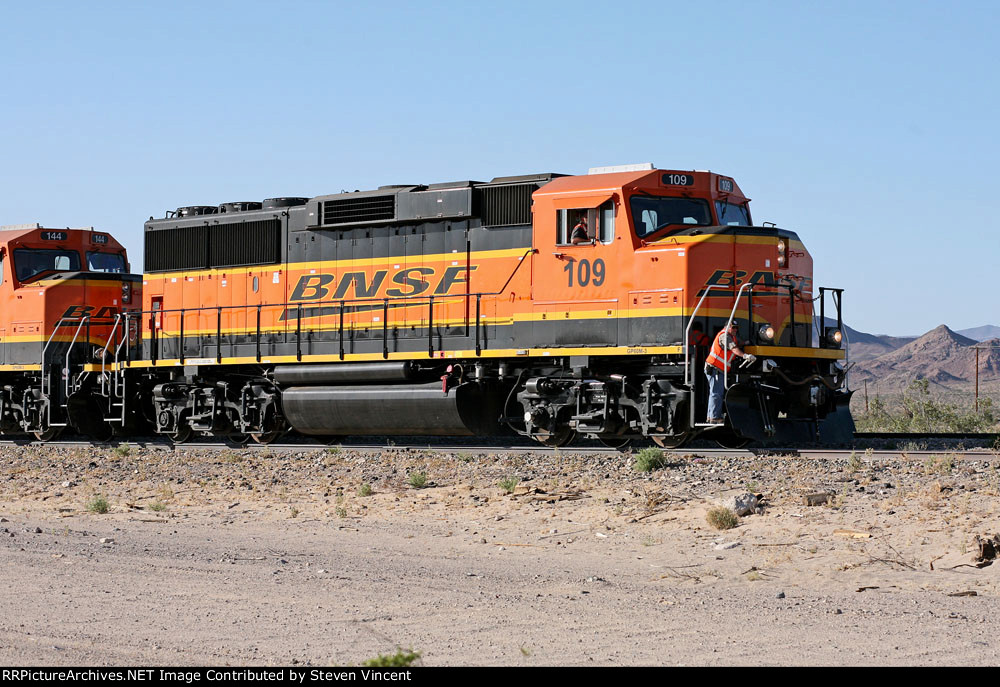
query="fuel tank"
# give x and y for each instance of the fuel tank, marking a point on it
(393, 409)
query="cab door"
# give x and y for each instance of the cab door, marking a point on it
(573, 300)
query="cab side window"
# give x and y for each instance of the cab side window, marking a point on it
(606, 222)
(576, 226)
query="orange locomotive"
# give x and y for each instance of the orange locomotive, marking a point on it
(550, 305)
(61, 293)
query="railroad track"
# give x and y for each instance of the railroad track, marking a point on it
(456, 445)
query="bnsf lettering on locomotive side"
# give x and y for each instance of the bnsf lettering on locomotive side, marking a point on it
(312, 287)
(450, 278)
(726, 278)
(763, 277)
(412, 280)
(415, 283)
(78, 311)
(361, 287)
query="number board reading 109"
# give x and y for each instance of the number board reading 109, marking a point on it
(726, 185)
(54, 236)
(678, 179)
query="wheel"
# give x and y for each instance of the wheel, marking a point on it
(727, 439)
(564, 436)
(49, 434)
(181, 435)
(673, 441)
(236, 439)
(614, 441)
(266, 437)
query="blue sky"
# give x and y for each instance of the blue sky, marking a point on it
(868, 127)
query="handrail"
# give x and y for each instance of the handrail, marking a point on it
(341, 301)
(46, 392)
(687, 337)
(69, 351)
(48, 342)
(736, 304)
(340, 304)
(104, 351)
(687, 340)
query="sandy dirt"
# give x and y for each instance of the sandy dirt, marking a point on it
(265, 558)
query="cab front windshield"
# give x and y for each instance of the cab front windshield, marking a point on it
(29, 263)
(652, 213)
(106, 262)
(732, 214)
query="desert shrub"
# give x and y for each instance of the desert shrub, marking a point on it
(649, 459)
(400, 659)
(508, 484)
(722, 518)
(417, 480)
(920, 412)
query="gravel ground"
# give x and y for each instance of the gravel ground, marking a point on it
(278, 557)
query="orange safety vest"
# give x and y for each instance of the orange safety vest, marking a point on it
(719, 357)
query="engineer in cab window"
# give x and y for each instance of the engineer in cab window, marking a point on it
(580, 234)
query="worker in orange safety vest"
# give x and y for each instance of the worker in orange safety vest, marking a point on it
(719, 360)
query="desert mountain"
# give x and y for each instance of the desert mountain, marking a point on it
(941, 356)
(987, 331)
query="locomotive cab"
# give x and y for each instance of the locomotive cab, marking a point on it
(669, 250)
(62, 292)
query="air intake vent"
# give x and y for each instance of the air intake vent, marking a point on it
(238, 244)
(359, 209)
(502, 206)
(233, 244)
(181, 248)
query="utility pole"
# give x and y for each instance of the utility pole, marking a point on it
(978, 348)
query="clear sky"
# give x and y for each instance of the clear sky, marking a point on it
(868, 127)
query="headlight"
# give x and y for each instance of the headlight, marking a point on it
(782, 253)
(834, 336)
(126, 292)
(766, 332)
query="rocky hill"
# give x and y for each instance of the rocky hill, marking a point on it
(946, 359)
(869, 346)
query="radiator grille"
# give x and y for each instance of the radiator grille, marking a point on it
(502, 206)
(245, 243)
(364, 209)
(181, 248)
(233, 244)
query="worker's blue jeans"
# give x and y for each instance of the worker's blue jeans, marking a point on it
(716, 391)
